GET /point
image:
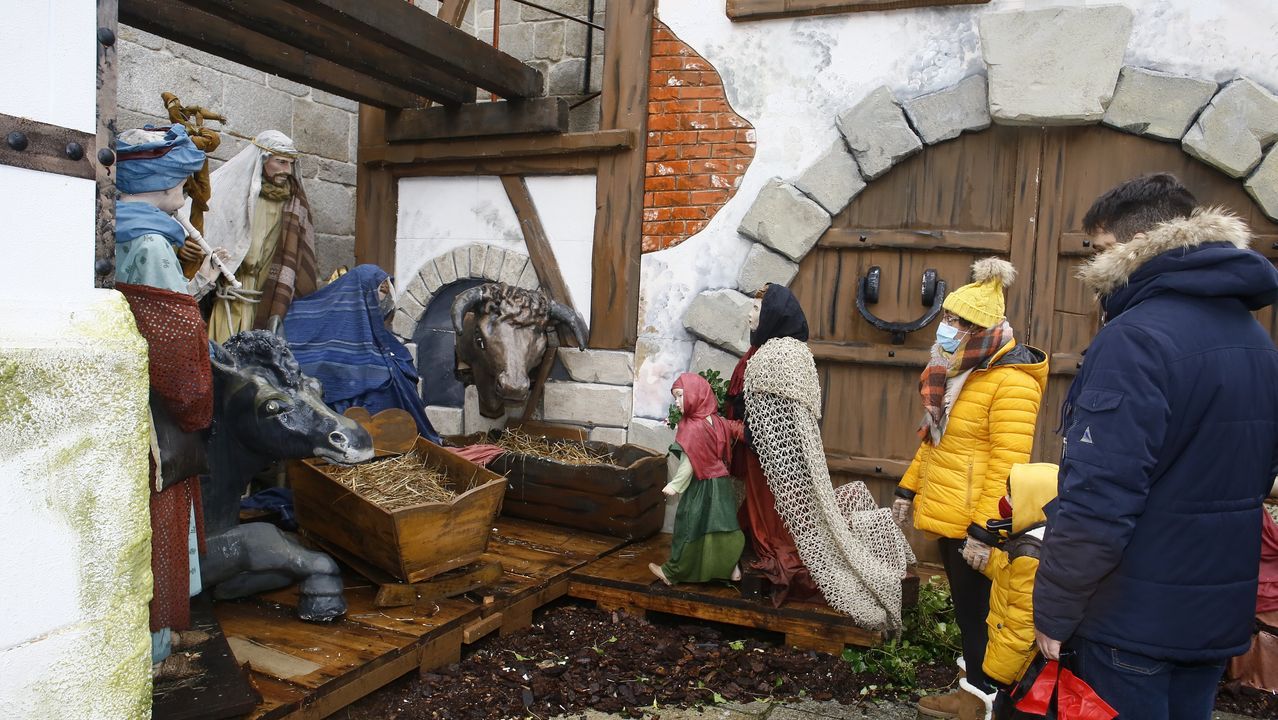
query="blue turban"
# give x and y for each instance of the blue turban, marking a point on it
(160, 165)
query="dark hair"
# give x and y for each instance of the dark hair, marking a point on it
(1139, 205)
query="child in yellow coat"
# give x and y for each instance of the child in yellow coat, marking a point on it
(1010, 645)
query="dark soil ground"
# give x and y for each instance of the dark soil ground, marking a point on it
(576, 657)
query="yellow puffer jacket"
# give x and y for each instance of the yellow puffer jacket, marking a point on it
(1011, 570)
(990, 428)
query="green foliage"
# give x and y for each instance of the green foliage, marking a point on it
(931, 635)
(717, 383)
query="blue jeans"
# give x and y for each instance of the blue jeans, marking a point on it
(1141, 687)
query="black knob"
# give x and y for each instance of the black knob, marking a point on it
(891, 353)
(1276, 246)
(75, 151)
(106, 37)
(1087, 243)
(103, 266)
(878, 468)
(864, 237)
(17, 140)
(106, 157)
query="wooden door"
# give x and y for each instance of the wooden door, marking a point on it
(942, 209)
(1019, 193)
(1078, 165)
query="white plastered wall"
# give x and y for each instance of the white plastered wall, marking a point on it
(74, 524)
(791, 77)
(438, 214)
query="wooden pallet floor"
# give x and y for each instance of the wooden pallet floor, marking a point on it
(621, 579)
(306, 670)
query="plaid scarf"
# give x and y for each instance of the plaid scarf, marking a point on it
(976, 351)
(292, 272)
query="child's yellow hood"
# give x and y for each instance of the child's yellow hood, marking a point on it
(1033, 485)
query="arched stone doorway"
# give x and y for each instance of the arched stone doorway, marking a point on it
(1017, 192)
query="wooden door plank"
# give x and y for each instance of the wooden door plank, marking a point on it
(741, 10)
(618, 240)
(1049, 227)
(198, 29)
(505, 117)
(310, 34)
(1025, 214)
(432, 41)
(599, 141)
(869, 353)
(954, 240)
(579, 164)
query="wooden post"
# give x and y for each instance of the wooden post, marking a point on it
(618, 242)
(104, 255)
(376, 196)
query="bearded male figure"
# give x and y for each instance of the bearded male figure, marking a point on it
(260, 219)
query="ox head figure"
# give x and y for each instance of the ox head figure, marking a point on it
(501, 336)
(274, 411)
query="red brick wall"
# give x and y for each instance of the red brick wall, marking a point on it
(698, 148)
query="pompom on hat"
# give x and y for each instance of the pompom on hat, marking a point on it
(983, 301)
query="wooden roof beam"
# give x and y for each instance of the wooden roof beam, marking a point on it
(308, 33)
(428, 39)
(505, 117)
(187, 25)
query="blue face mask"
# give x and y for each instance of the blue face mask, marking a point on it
(947, 336)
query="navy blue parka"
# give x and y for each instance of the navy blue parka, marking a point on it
(1171, 444)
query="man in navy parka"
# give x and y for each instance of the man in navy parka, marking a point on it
(1149, 566)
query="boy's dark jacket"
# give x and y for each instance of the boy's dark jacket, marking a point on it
(1171, 427)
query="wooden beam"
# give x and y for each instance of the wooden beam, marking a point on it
(431, 40)
(618, 242)
(376, 197)
(583, 164)
(539, 250)
(452, 11)
(311, 34)
(600, 141)
(869, 353)
(507, 117)
(765, 9)
(46, 148)
(104, 175)
(189, 26)
(957, 241)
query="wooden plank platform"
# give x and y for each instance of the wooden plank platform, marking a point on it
(621, 579)
(308, 670)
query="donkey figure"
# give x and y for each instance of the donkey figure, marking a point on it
(264, 409)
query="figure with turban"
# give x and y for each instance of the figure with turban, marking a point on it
(153, 164)
(260, 219)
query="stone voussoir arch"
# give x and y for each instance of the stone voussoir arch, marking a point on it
(1036, 74)
(479, 261)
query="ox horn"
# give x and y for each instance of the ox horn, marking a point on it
(464, 302)
(561, 313)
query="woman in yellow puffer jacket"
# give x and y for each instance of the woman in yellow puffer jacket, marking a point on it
(1010, 626)
(981, 393)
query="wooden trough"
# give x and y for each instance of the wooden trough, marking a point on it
(413, 543)
(620, 499)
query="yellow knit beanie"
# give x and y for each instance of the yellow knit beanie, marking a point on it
(982, 301)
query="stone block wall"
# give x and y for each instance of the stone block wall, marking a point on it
(698, 148)
(322, 125)
(552, 44)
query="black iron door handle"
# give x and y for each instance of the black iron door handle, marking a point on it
(867, 293)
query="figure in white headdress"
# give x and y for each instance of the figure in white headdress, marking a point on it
(260, 218)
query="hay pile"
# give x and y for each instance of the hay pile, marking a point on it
(568, 452)
(399, 482)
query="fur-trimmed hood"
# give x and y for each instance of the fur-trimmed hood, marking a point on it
(1204, 255)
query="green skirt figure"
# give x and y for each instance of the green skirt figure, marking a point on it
(707, 541)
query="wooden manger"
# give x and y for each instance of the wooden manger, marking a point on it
(412, 542)
(619, 496)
